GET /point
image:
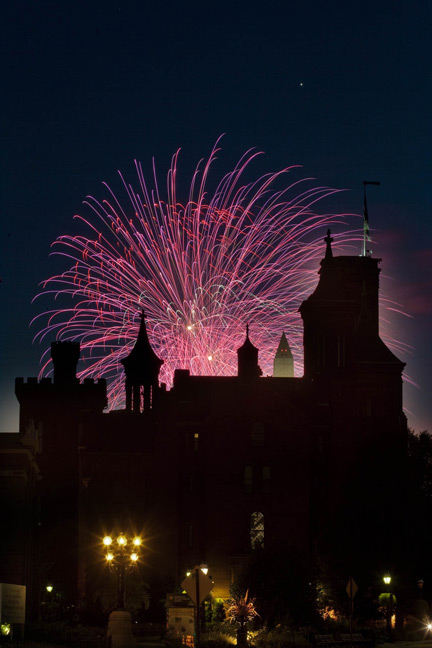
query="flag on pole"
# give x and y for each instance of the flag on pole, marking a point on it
(366, 230)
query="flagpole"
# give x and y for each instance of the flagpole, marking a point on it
(366, 236)
(365, 220)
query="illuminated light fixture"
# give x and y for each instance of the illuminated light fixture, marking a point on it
(121, 561)
(204, 569)
(188, 574)
(387, 579)
(49, 588)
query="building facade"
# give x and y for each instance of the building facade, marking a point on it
(216, 467)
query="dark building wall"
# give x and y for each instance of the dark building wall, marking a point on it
(247, 454)
(19, 504)
(313, 456)
(55, 411)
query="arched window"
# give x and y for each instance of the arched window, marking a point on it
(257, 530)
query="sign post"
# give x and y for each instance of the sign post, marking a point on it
(351, 590)
(198, 585)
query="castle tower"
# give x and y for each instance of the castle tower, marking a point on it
(340, 318)
(358, 428)
(65, 356)
(247, 355)
(283, 363)
(141, 368)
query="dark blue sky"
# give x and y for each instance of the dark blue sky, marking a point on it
(87, 86)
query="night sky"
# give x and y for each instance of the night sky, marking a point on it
(342, 88)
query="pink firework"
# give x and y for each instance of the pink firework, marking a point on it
(201, 269)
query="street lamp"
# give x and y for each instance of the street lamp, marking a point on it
(198, 586)
(387, 581)
(121, 555)
(197, 570)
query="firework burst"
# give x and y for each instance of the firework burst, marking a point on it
(201, 269)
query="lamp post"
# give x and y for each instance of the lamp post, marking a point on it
(198, 591)
(122, 555)
(387, 581)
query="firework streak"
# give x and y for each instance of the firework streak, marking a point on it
(201, 269)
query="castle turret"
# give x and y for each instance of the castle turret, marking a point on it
(142, 368)
(341, 317)
(65, 356)
(283, 363)
(247, 355)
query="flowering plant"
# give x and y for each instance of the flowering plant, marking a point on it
(241, 609)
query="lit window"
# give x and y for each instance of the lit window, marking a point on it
(196, 441)
(248, 479)
(257, 530)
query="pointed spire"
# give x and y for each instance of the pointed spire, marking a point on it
(247, 355)
(142, 358)
(142, 368)
(142, 339)
(283, 363)
(328, 240)
(247, 344)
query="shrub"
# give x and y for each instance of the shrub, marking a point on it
(279, 637)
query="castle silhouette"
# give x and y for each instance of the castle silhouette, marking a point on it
(217, 467)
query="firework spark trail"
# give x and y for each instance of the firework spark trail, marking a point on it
(201, 270)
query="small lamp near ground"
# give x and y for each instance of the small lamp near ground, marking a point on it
(387, 581)
(121, 555)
